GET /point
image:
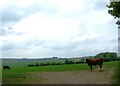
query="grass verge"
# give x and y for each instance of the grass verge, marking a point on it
(116, 76)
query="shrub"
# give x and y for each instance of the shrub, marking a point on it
(37, 64)
(53, 63)
(30, 65)
(42, 64)
(58, 63)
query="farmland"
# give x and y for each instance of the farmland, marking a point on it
(20, 73)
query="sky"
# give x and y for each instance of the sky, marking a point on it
(62, 28)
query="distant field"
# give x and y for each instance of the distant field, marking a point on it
(25, 62)
(19, 72)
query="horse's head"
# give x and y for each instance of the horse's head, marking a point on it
(87, 60)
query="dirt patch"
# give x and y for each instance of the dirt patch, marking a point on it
(70, 77)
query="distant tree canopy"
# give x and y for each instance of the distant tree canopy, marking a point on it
(69, 62)
(114, 9)
(108, 56)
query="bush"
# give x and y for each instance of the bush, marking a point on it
(68, 62)
(30, 65)
(107, 59)
(37, 64)
(42, 64)
(53, 63)
(47, 64)
(77, 62)
(58, 63)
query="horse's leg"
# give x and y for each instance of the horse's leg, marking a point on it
(91, 67)
(100, 66)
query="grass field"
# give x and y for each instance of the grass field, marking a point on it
(19, 72)
(116, 76)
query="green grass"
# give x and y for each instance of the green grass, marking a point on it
(112, 64)
(116, 76)
(72, 67)
(19, 74)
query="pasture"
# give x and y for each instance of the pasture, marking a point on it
(20, 73)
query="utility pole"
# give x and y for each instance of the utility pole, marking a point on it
(118, 38)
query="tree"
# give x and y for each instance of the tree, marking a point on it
(69, 62)
(114, 9)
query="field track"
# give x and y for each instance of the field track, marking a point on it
(70, 77)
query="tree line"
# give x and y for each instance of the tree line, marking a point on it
(108, 56)
(67, 61)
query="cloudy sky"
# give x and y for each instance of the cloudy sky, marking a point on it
(63, 28)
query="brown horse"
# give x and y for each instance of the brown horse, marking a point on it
(94, 62)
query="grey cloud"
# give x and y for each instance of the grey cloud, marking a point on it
(38, 7)
(59, 45)
(8, 46)
(5, 31)
(99, 5)
(59, 48)
(64, 47)
(14, 14)
(2, 31)
(19, 33)
(92, 5)
(35, 42)
(10, 14)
